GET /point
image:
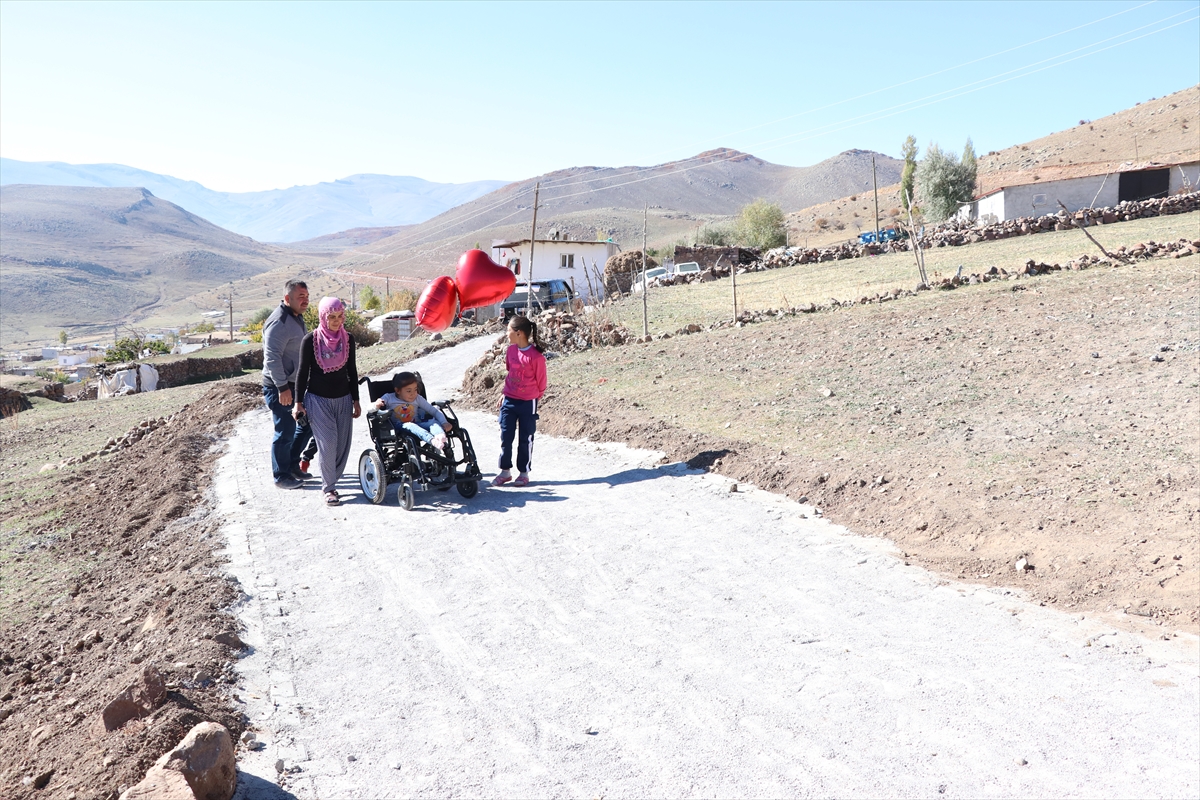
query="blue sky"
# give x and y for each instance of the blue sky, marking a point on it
(245, 96)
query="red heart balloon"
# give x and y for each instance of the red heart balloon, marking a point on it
(435, 307)
(482, 281)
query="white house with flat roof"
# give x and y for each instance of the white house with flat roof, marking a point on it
(563, 259)
(1141, 182)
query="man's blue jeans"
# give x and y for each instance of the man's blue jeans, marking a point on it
(290, 438)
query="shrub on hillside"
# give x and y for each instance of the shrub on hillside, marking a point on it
(760, 225)
(944, 182)
(401, 300)
(718, 235)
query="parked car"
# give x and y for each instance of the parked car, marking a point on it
(687, 268)
(651, 274)
(546, 294)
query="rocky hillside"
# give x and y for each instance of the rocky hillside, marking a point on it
(80, 258)
(1165, 130)
(585, 202)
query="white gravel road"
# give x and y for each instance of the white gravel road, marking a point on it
(622, 629)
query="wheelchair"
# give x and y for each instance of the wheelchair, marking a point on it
(401, 458)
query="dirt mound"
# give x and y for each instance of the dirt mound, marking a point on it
(149, 593)
(978, 429)
(621, 270)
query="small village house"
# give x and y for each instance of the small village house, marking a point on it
(564, 259)
(1140, 182)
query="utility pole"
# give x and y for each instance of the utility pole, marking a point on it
(353, 293)
(733, 278)
(231, 312)
(387, 288)
(537, 188)
(875, 186)
(645, 287)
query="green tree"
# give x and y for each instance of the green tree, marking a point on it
(130, 349)
(62, 338)
(970, 165)
(369, 299)
(402, 300)
(719, 235)
(943, 184)
(909, 151)
(760, 225)
(261, 316)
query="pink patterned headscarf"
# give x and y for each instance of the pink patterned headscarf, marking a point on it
(331, 349)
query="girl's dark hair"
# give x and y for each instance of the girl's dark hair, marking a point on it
(402, 379)
(525, 325)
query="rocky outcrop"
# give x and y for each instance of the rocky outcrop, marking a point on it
(201, 767)
(13, 402)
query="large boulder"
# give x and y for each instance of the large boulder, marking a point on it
(201, 767)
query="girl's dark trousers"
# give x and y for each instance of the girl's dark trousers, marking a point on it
(517, 416)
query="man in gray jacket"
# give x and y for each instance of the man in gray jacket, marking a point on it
(282, 334)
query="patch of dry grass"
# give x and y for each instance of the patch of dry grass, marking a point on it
(672, 307)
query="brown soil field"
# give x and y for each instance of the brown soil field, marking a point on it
(1054, 419)
(108, 569)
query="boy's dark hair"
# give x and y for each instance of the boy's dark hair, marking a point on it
(525, 325)
(293, 285)
(402, 379)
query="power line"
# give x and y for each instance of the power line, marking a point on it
(678, 167)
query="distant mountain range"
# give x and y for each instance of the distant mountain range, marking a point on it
(588, 202)
(279, 215)
(77, 258)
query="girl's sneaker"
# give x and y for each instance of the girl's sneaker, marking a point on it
(501, 479)
(522, 480)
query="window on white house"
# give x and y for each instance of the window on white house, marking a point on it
(1039, 199)
(566, 261)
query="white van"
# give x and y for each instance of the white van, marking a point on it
(687, 268)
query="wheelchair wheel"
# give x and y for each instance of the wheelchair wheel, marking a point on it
(468, 489)
(407, 498)
(372, 476)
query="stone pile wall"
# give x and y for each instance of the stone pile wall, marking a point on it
(13, 402)
(956, 232)
(621, 270)
(707, 256)
(176, 373)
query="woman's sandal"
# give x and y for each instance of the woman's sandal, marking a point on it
(332, 499)
(500, 480)
(522, 480)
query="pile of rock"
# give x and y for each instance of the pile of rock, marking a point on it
(138, 432)
(954, 233)
(621, 270)
(13, 402)
(562, 332)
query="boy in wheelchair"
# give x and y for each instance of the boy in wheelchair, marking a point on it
(412, 413)
(411, 451)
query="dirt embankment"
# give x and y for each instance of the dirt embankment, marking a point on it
(146, 591)
(1052, 419)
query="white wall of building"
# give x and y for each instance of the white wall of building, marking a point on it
(1039, 199)
(548, 257)
(1178, 173)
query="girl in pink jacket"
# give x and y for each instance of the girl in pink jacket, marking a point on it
(524, 386)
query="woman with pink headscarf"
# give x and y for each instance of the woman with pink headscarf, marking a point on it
(327, 391)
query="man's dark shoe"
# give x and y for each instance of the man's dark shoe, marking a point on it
(301, 475)
(288, 482)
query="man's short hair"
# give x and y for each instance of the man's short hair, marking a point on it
(293, 285)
